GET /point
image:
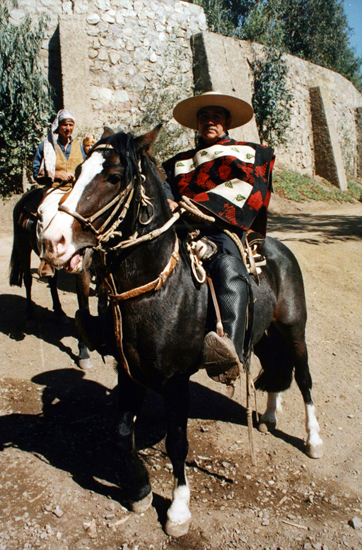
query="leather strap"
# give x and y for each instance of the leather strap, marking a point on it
(153, 285)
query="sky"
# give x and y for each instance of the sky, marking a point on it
(353, 9)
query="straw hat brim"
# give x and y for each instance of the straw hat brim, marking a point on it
(186, 111)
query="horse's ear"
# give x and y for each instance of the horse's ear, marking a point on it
(143, 143)
(107, 132)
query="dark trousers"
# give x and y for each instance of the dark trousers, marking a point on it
(232, 285)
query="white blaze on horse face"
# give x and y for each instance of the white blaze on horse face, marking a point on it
(57, 240)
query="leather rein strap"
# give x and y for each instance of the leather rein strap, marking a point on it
(153, 285)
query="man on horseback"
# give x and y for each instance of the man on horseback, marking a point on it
(232, 181)
(54, 166)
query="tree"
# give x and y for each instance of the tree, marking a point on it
(25, 99)
(315, 30)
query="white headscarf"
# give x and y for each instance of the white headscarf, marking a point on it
(50, 144)
(61, 115)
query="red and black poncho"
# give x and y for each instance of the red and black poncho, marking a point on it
(231, 179)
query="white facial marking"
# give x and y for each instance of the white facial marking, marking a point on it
(90, 168)
(56, 227)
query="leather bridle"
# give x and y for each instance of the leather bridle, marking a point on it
(105, 233)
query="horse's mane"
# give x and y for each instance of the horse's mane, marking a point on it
(125, 147)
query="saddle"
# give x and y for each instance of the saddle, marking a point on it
(30, 202)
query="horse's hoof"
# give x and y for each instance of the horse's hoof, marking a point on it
(175, 529)
(142, 505)
(267, 426)
(85, 364)
(314, 451)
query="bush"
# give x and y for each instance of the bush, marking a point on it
(25, 99)
(297, 187)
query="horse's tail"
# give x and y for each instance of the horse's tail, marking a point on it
(16, 271)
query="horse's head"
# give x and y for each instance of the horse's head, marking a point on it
(103, 206)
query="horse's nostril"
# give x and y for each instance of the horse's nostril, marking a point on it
(60, 245)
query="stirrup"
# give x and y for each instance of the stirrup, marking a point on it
(220, 359)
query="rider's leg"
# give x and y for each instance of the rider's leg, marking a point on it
(231, 282)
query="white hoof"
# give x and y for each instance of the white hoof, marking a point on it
(314, 451)
(142, 505)
(176, 529)
(85, 364)
(266, 426)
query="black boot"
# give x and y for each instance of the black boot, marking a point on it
(223, 355)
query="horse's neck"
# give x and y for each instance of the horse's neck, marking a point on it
(142, 263)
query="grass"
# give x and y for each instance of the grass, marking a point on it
(297, 187)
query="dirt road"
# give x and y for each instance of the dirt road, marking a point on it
(57, 461)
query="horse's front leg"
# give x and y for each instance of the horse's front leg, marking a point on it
(83, 281)
(57, 306)
(132, 474)
(177, 404)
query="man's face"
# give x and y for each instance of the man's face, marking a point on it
(65, 128)
(212, 123)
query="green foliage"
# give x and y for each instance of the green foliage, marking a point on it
(355, 189)
(218, 17)
(300, 188)
(271, 99)
(316, 30)
(25, 99)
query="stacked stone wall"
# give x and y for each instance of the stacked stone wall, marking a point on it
(139, 59)
(298, 153)
(138, 64)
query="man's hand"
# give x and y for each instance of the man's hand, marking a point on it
(172, 204)
(63, 176)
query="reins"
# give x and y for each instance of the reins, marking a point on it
(153, 285)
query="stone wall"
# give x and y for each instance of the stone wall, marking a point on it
(126, 63)
(343, 101)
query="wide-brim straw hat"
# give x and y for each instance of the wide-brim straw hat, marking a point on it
(186, 111)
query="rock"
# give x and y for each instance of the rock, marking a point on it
(91, 527)
(58, 512)
(93, 19)
(356, 523)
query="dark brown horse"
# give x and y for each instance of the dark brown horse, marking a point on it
(24, 243)
(118, 208)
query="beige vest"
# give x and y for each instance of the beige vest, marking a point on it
(75, 158)
(70, 164)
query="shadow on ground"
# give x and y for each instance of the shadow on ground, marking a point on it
(76, 430)
(48, 327)
(328, 227)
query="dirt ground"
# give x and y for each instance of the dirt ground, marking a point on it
(58, 486)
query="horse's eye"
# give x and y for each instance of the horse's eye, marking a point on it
(114, 178)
